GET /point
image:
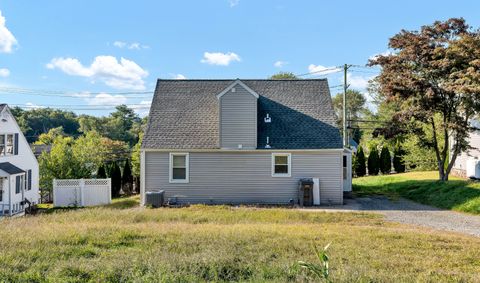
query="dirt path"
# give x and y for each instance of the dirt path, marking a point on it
(405, 211)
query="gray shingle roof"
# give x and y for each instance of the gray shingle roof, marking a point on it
(2, 106)
(185, 114)
(10, 169)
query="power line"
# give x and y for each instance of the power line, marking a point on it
(330, 70)
(71, 92)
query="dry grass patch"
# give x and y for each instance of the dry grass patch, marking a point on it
(222, 243)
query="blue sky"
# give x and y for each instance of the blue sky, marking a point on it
(69, 53)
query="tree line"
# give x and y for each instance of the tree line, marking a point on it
(83, 146)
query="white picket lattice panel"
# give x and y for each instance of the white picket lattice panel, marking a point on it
(81, 192)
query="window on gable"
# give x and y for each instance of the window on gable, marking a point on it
(281, 164)
(10, 143)
(2, 144)
(179, 167)
(7, 144)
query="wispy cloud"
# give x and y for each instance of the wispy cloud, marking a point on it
(7, 40)
(179, 77)
(142, 108)
(106, 99)
(31, 105)
(358, 82)
(280, 64)
(123, 74)
(385, 53)
(233, 3)
(4, 72)
(312, 68)
(219, 58)
(131, 46)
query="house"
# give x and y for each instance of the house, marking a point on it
(242, 141)
(469, 158)
(18, 168)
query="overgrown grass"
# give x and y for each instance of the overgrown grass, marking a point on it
(222, 243)
(424, 187)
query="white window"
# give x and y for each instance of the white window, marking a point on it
(179, 167)
(2, 144)
(9, 147)
(281, 165)
(7, 144)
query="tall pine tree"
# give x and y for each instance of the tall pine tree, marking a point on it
(373, 162)
(359, 163)
(385, 161)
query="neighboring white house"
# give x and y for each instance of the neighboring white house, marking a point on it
(18, 167)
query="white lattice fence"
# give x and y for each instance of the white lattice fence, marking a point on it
(81, 192)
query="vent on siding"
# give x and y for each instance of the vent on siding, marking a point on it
(233, 89)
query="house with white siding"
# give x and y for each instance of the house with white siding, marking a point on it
(19, 172)
(243, 142)
(469, 158)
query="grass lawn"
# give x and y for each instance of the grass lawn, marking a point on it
(123, 242)
(424, 187)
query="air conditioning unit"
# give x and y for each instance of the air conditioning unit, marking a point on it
(155, 198)
(473, 168)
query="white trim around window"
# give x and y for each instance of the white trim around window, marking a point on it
(280, 166)
(185, 166)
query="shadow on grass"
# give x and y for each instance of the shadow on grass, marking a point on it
(457, 195)
(125, 202)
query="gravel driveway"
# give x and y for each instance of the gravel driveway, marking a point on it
(409, 212)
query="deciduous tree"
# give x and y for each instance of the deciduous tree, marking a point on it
(434, 72)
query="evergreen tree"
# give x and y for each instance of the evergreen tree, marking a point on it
(116, 176)
(385, 161)
(101, 174)
(373, 162)
(359, 163)
(398, 163)
(127, 179)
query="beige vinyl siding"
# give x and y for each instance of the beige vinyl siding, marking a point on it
(245, 177)
(238, 119)
(461, 161)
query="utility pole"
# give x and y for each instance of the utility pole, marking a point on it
(345, 87)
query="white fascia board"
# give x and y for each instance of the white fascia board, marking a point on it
(237, 82)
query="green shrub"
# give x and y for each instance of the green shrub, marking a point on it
(385, 161)
(359, 163)
(373, 162)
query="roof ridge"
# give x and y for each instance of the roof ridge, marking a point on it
(227, 80)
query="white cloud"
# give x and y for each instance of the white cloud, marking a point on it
(179, 77)
(312, 68)
(82, 94)
(280, 64)
(31, 105)
(4, 72)
(106, 99)
(219, 58)
(385, 53)
(123, 74)
(133, 45)
(358, 82)
(233, 3)
(142, 108)
(7, 40)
